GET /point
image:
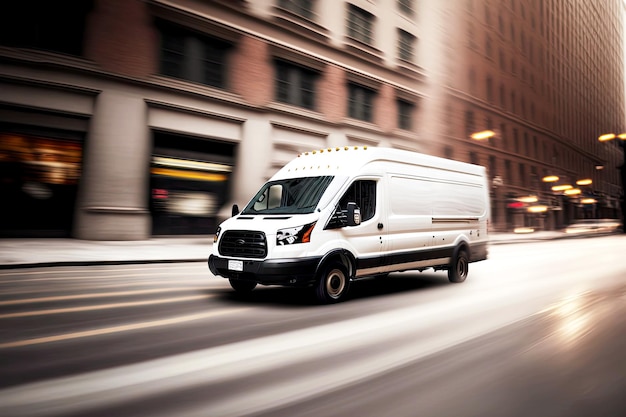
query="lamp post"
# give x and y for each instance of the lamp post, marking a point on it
(554, 222)
(496, 182)
(622, 143)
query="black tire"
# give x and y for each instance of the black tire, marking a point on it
(459, 266)
(333, 284)
(241, 286)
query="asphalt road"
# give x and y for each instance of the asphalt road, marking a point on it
(538, 329)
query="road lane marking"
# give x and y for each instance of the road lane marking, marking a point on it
(120, 329)
(94, 277)
(93, 286)
(96, 295)
(103, 306)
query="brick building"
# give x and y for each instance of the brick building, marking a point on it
(124, 119)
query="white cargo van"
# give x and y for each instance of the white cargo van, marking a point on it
(333, 216)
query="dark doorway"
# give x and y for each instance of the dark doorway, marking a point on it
(189, 183)
(39, 174)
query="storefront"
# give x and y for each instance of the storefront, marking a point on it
(189, 183)
(39, 174)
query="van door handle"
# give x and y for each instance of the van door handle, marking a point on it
(380, 226)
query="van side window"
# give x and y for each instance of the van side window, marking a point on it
(363, 193)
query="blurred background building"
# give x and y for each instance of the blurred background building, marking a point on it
(125, 119)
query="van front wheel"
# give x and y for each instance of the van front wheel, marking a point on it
(333, 284)
(459, 266)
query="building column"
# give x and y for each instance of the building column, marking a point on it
(112, 199)
(252, 160)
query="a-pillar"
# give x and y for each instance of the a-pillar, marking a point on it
(112, 199)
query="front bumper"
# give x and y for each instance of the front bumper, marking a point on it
(296, 272)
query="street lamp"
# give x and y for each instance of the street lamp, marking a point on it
(622, 143)
(483, 135)
(550, 178)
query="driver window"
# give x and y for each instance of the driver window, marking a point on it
(363, 193)
(270, 199)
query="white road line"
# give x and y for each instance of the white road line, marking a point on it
(102, 306)
(93, 276)
(59, 288)
(119, 329)
(97, 295)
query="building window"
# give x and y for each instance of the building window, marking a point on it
(489, 88)
(45, 25)
(303, 8)
(508, 172)
(488, 47)
(406, 45)
(470, 123)
(360, 102)
(405, 114)
(360, 24)
(192, 56)
(522, 175)
(295, 85)
(406, 7)
(492, 166)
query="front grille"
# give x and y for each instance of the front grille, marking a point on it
(243, 244)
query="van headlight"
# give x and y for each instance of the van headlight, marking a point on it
(291, 235)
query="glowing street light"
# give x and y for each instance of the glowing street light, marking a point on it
(550, 178)
(540, 208)
(482, 135)
(607, 137)
(573, 191)
(585, 181)
(528, 199)
(564, 187)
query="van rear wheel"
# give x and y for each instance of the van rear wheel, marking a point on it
(241, 286)
(333, 284)
(459, 266)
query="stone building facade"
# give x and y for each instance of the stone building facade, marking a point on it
(126, 119)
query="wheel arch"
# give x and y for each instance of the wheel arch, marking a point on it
(343, 256)
(462, 244)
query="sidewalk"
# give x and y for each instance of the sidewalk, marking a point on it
(23, 253)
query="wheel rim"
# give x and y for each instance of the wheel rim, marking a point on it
(335, 283)
(461, 267)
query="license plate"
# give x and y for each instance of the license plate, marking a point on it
(235, 265)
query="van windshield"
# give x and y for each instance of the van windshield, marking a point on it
(289, 196)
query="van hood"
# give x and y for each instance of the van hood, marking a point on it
(269, 224)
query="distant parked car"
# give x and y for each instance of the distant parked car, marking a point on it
(594, 226)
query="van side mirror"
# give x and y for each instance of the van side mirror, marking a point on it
(354, 215)
(235, 210)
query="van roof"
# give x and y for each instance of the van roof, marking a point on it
(348, 160)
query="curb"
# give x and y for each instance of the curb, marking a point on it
(53, 264)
